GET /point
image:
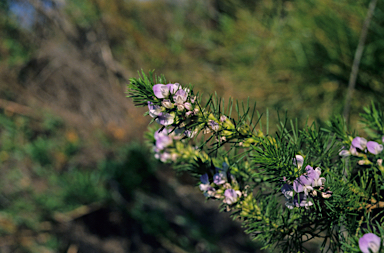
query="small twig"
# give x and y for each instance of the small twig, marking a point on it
(357, 59)
(78, 212)
(12, 107)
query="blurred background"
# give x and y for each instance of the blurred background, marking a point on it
(75, 175)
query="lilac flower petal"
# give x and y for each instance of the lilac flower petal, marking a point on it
(180, 96)
(154, 110)
(306, 203)
(304, 180)
(344, 153)
(173, 87)
(369, 242)
(298, 161)
(312, 174)
(359, 142)
(219, 178)
(165, 119)
(188, 106)
(230, 196)
(374, 147)
(353, 151)
(189, 113)
(302, 184)
(159, 134)
(163, 142)
(297, 186)
(161, 90)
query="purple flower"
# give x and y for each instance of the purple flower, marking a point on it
(188, 106)
(214, 125)
(374, 147)
(173, 87)
(314, 175)
(161, 90)
(303, 184)
(223, 118)
(220, 178)
(230, 196)
(154, 110)
(163, 140)
(369, 242)
(189, 113)
(165, 119)
(360, 143)
(298, 161)
(180, 96)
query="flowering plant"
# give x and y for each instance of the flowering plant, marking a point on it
(287, 188)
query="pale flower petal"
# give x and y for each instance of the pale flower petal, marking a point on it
(369, 243)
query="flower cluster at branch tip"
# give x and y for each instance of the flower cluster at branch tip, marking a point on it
(305, 187)
(174, 99)
(360, 146)
(221, 187)
(369, 243)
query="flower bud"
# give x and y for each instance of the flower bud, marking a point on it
(167, 103)
(188, 106)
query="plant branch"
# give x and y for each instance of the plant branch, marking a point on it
(357, 59)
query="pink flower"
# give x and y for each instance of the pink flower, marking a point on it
(230, 196)
(360, 143)
(165, 119)
(163, 91)
(154, 110)
(369, 243)
(374, 147)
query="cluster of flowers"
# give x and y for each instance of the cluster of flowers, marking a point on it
(370, 243)
(174, 99)
(299, 194)
(163, 140)
(177, 107)
(221, 188)
(360, 146)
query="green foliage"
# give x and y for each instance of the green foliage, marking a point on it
(257, 168)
